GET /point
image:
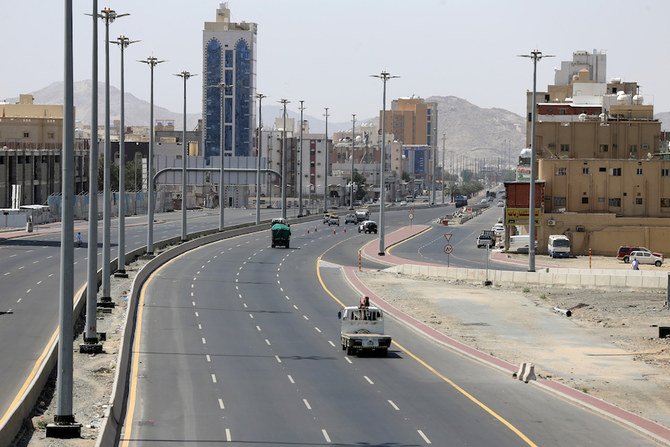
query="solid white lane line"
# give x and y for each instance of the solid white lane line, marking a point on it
(278, 359)
(306, 404)
(368, 379)
(331, 343)
(290, 379)
(325, 435)
(258, 328)
(317, 329)
(425, 438)
(214, 378)
(204, 342)
(348, 359)
(221, 406)
(268, 342)
(209, 359)
(395, 407)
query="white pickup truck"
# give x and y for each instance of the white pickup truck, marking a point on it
(362, 330)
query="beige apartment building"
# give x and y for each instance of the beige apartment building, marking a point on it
(598, 150)
(31, 140)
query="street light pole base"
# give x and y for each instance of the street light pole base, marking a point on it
(90, 348)
(147, 256)
(488, 283)
(106, 304)
(120, 274)
(64, 427)
(381, 253)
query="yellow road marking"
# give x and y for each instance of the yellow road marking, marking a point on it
(388, 250)
(453, 384)
(33, 372)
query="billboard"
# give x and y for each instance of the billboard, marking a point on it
(519, 216)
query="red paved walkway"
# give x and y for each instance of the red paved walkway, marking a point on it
(371, 249)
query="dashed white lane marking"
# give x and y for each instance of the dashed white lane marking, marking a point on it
(245, 305)
(287, 297)
(237, 280)
(395, 407)
(28, 291)
(221, 406)
(193, 302)
(213, 378)
(317, 329)
(325, 435)
(50, 275)
(295, 307)
(290, 379)
(243, 263)
(192, 286)
(348, 359)
(11, 256)
(368, 380)
(6, 274)
(238, 245)
(39, 282)
(22, 267)
(239, 268)
(251, 316)
(268, 342)
(199, 326)
(277, 276)
(197, 314)
(281, 289)
(237, 287)
(425, 438)
(222, 252)
(202, 267)
(208, 261)
(240, 295)
(209, 359)
(35, 262)
(192, 294)
(258, 328)
(278, 359)
(278, 282)
(331, 343)
(215, 256)
(204, 342)
(305, 317)
(19, 300)
(306, 404)
(228, 437)
(195, 279)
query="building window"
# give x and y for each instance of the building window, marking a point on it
(638, 200)
(559, 201)
(561, 111)
(633, 148)
(585, 170)
(213, 101)
(639, 171)
(2, 159)
(665, 172)
(602, 169)
(615, 202)
(565, 148)
(604, 148)
(243, 86)
(616, 172)
(51, 135)
(26, 134)
(585, 200)
(561, 171)
(665, 203)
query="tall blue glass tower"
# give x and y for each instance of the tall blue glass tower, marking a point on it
(229, 56)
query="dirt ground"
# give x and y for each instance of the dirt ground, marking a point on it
(608, 348)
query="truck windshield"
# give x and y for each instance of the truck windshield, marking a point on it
(561, 243)
(366, 314)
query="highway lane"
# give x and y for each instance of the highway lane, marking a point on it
(239, 343)
(29, 277)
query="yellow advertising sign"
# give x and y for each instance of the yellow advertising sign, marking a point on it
(519, 216)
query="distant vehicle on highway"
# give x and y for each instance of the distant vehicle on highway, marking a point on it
(460, 201)
(362, 330)
(350, 218)
(368, 226)
(334, 220)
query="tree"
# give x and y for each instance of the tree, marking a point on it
(359, 190)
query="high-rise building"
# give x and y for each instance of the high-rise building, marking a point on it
(229, 57)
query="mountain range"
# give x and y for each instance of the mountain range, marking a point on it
(467, 128)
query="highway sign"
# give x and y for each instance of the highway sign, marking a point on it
(447, 236)
(448, 248)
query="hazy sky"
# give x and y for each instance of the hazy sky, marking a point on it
(324, 51)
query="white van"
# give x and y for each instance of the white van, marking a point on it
(558, 246)
(520, 243)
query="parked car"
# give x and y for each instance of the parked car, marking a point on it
(501, 203)
(498, 229)
(350, 218)
(645, 257)
(368, 226)
(403, 203)
(623, 254)
(334, 220)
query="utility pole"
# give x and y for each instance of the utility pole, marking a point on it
(283, 161)
(325, 177)
(302, 108)
(185, 75)
(260, 97)
(444, 166)
(353, 142)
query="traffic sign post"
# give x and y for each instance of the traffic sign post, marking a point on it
(448, 248)
(411, 216)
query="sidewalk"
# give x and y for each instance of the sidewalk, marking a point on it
(588, 367)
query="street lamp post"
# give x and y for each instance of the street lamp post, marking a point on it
(185, 75)
(91, 332)
(283, 161)
(444, 166)
(223, 86)
(302, 108)
(259, 141)
(384, 76)
(108, 16)
(151, 62)
(536, 55)
(325, 170)
(123, 43)
(353, 140)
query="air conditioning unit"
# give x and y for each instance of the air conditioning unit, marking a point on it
(551, 222)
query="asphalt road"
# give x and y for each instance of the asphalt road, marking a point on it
(29, 279)
(239, 343)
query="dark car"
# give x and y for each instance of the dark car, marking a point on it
(625, 250)
(368, 226)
